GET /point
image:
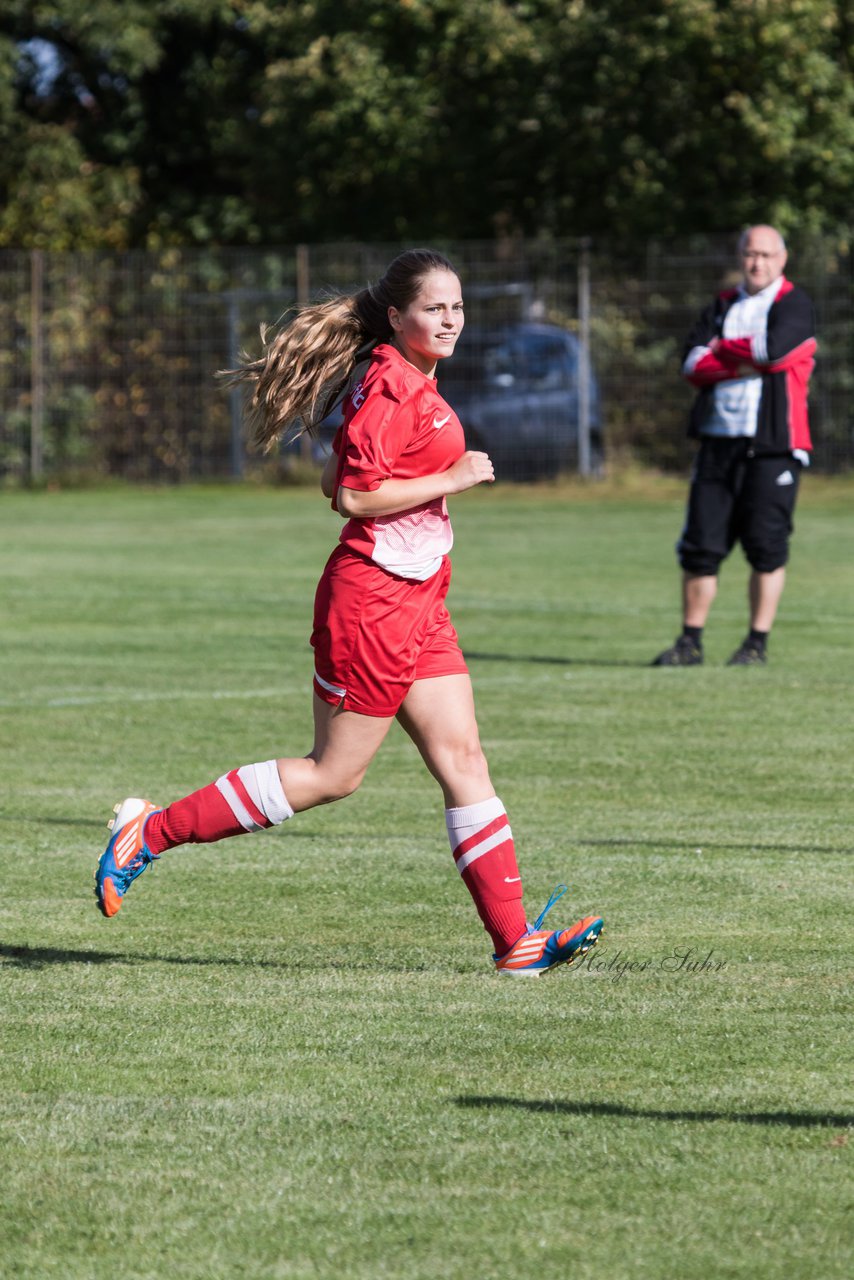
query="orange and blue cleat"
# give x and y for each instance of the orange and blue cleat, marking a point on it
(126, 856)
(539, 950)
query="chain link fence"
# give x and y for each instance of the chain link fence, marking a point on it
(569, 361)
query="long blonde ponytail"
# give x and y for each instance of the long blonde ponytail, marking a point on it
(306, 365)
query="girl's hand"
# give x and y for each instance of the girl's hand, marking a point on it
(472, 468)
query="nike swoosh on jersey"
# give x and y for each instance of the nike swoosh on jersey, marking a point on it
(440, 422)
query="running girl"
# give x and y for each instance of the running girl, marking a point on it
(385, 647)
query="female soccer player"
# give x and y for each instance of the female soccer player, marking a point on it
(384, 643)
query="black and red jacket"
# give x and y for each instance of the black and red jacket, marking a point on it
(783, 355)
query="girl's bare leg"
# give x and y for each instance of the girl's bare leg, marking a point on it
(438, 714)
(345, 743)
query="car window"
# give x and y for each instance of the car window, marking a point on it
(501, 366)
(549, 362)
(481, 366)
(515, 361)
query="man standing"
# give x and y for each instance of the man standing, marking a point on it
(751, 356)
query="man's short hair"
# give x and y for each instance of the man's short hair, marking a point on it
(742, 239)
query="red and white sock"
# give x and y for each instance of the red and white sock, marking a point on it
(246, 799)
(482, 844)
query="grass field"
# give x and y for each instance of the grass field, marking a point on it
(289, 1056)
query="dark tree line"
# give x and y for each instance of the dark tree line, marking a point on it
(237, 122)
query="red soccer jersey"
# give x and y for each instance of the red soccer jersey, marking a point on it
(396, 425)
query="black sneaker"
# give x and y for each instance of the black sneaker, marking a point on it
(684, 652)
(748, 654)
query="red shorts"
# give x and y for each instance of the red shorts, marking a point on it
(375, 634)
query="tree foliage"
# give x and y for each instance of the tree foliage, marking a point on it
(161, 122)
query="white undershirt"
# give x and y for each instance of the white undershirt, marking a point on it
(735, 403)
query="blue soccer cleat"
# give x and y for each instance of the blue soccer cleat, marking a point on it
(126, 856)
(540, 950)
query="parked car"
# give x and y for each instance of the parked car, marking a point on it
(515, 389)
(516, 392)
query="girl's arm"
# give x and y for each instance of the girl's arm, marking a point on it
(392, 496)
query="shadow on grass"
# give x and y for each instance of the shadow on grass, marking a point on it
(793, 1119)
(626, 842)
(472, 656)
(95, 824)
(25, 957)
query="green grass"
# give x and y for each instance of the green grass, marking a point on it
(289, 1057)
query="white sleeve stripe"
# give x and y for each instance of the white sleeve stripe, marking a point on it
(693, 358)
(236, 805)
(491, 842)
(759, 347)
